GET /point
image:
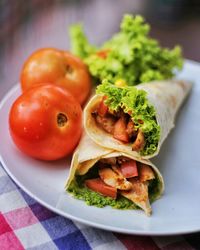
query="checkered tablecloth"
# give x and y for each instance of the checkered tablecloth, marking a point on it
(25, 224)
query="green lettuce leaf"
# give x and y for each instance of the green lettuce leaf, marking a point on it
(134, 100)
(132, 55)
(80, 45)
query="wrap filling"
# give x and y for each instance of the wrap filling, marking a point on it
(127, 115)
(119, 182)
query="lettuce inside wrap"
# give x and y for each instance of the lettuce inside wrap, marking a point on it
(134, 184)
(134, 119)
(134, 103)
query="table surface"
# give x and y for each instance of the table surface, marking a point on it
(25, 224)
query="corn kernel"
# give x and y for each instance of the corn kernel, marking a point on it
(120, 83)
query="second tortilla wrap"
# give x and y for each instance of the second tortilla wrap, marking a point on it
(158, 103)
(86, 158)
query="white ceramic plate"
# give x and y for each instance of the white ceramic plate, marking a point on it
(179, 160)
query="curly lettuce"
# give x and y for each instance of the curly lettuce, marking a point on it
(134, 102)
(130, 54)
(80, 44)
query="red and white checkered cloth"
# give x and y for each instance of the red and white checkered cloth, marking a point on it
(25, 224)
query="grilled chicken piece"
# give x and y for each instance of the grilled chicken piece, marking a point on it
(110, 161)
(139, 142)
(114, 178)
(138, 194)
(130, 129)
(122, 159)
(107, 123)
(117, 171)
(145, 173)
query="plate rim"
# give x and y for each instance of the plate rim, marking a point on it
(84, 221)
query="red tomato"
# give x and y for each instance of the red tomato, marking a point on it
(120, 131)
(103, 108)
(57, 67)
(46, 122)
(99, 186)
(129, 169)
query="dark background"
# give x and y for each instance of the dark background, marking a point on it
(28, 25)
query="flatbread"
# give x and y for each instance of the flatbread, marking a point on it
(165, 96)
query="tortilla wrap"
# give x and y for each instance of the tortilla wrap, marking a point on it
(165, 96)
(88, 153)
